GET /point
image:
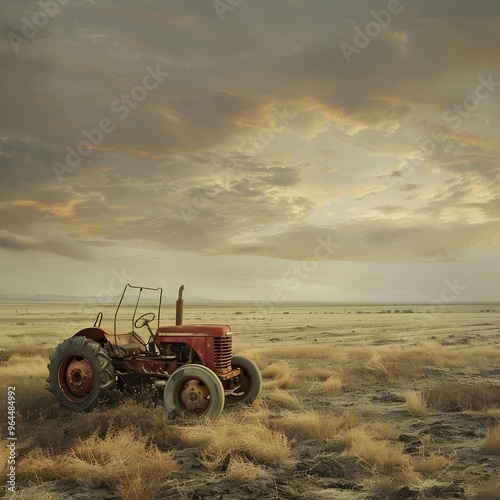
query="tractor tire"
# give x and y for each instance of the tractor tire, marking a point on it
(250, 382)
(81, 375)
(194, 391)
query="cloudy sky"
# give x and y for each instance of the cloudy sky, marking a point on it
(341, 150)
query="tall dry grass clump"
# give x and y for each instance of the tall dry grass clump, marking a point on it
(432, 465)
(474, 355)
(315, 378)
(415, 403)
(389, 467)
(395, 364)
(282, 375)
(284, 399)
(129, 465)
(146, 420)
(313, 425)
(237, 434)
(378, 455)
(454, 396)
(491, 444)
(242, 470)
(331, 386)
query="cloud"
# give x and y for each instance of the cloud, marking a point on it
(376, 240)
(203, 163)
(46, 244)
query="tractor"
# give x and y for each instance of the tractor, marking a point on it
(191, 365)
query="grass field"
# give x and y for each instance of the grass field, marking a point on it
(358, 402)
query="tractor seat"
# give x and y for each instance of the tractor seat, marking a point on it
(129, 349)
(128, 343)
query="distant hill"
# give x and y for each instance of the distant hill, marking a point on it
(49, 297)
(46, 297)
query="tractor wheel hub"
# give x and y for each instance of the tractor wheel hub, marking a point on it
(195, 395)
(79, 377)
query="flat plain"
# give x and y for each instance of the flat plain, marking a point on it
(377, 401)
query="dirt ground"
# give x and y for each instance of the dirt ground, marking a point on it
(378, 353)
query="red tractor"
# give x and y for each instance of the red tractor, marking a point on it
(193, 365)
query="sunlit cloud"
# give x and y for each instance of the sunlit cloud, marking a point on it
(261, 139)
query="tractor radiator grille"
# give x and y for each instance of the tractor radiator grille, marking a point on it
(223, 352)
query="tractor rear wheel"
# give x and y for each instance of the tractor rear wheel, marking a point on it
(81, 374)
(250, 381)
(194, 391)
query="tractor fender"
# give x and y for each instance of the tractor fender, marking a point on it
(94, 333)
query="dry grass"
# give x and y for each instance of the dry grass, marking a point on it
(327, 359)
(400, 364)
(320, 352)
(24, 366)
(317, 378)
(330, 387)
(384, 430)
(313, 425)
(433, 465)
(242, 470)
(38, 492)
(233, 434)
(378, 455)
(284, 399)
(415, 403)
(315, 370)
(454, 396)
(122, 461)
(282, 375)
(28, 345)
(146, 420)
(396, 364)
(255, 443)
(388, 486)
(491, 444)
(395, 361)
(473, 355)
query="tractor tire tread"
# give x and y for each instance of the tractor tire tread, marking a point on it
(104, 373)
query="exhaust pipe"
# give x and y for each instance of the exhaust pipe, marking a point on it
(179, 307)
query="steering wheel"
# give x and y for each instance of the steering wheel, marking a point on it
(146, 319)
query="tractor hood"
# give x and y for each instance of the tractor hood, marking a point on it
(206, 330)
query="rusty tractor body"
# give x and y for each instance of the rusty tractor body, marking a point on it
(192, 365)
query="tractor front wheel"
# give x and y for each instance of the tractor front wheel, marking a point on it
(194, 391)
(249, 381)
(80, 374)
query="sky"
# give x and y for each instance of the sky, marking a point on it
(320, 150)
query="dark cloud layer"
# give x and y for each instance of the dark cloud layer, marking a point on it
(215, 129)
